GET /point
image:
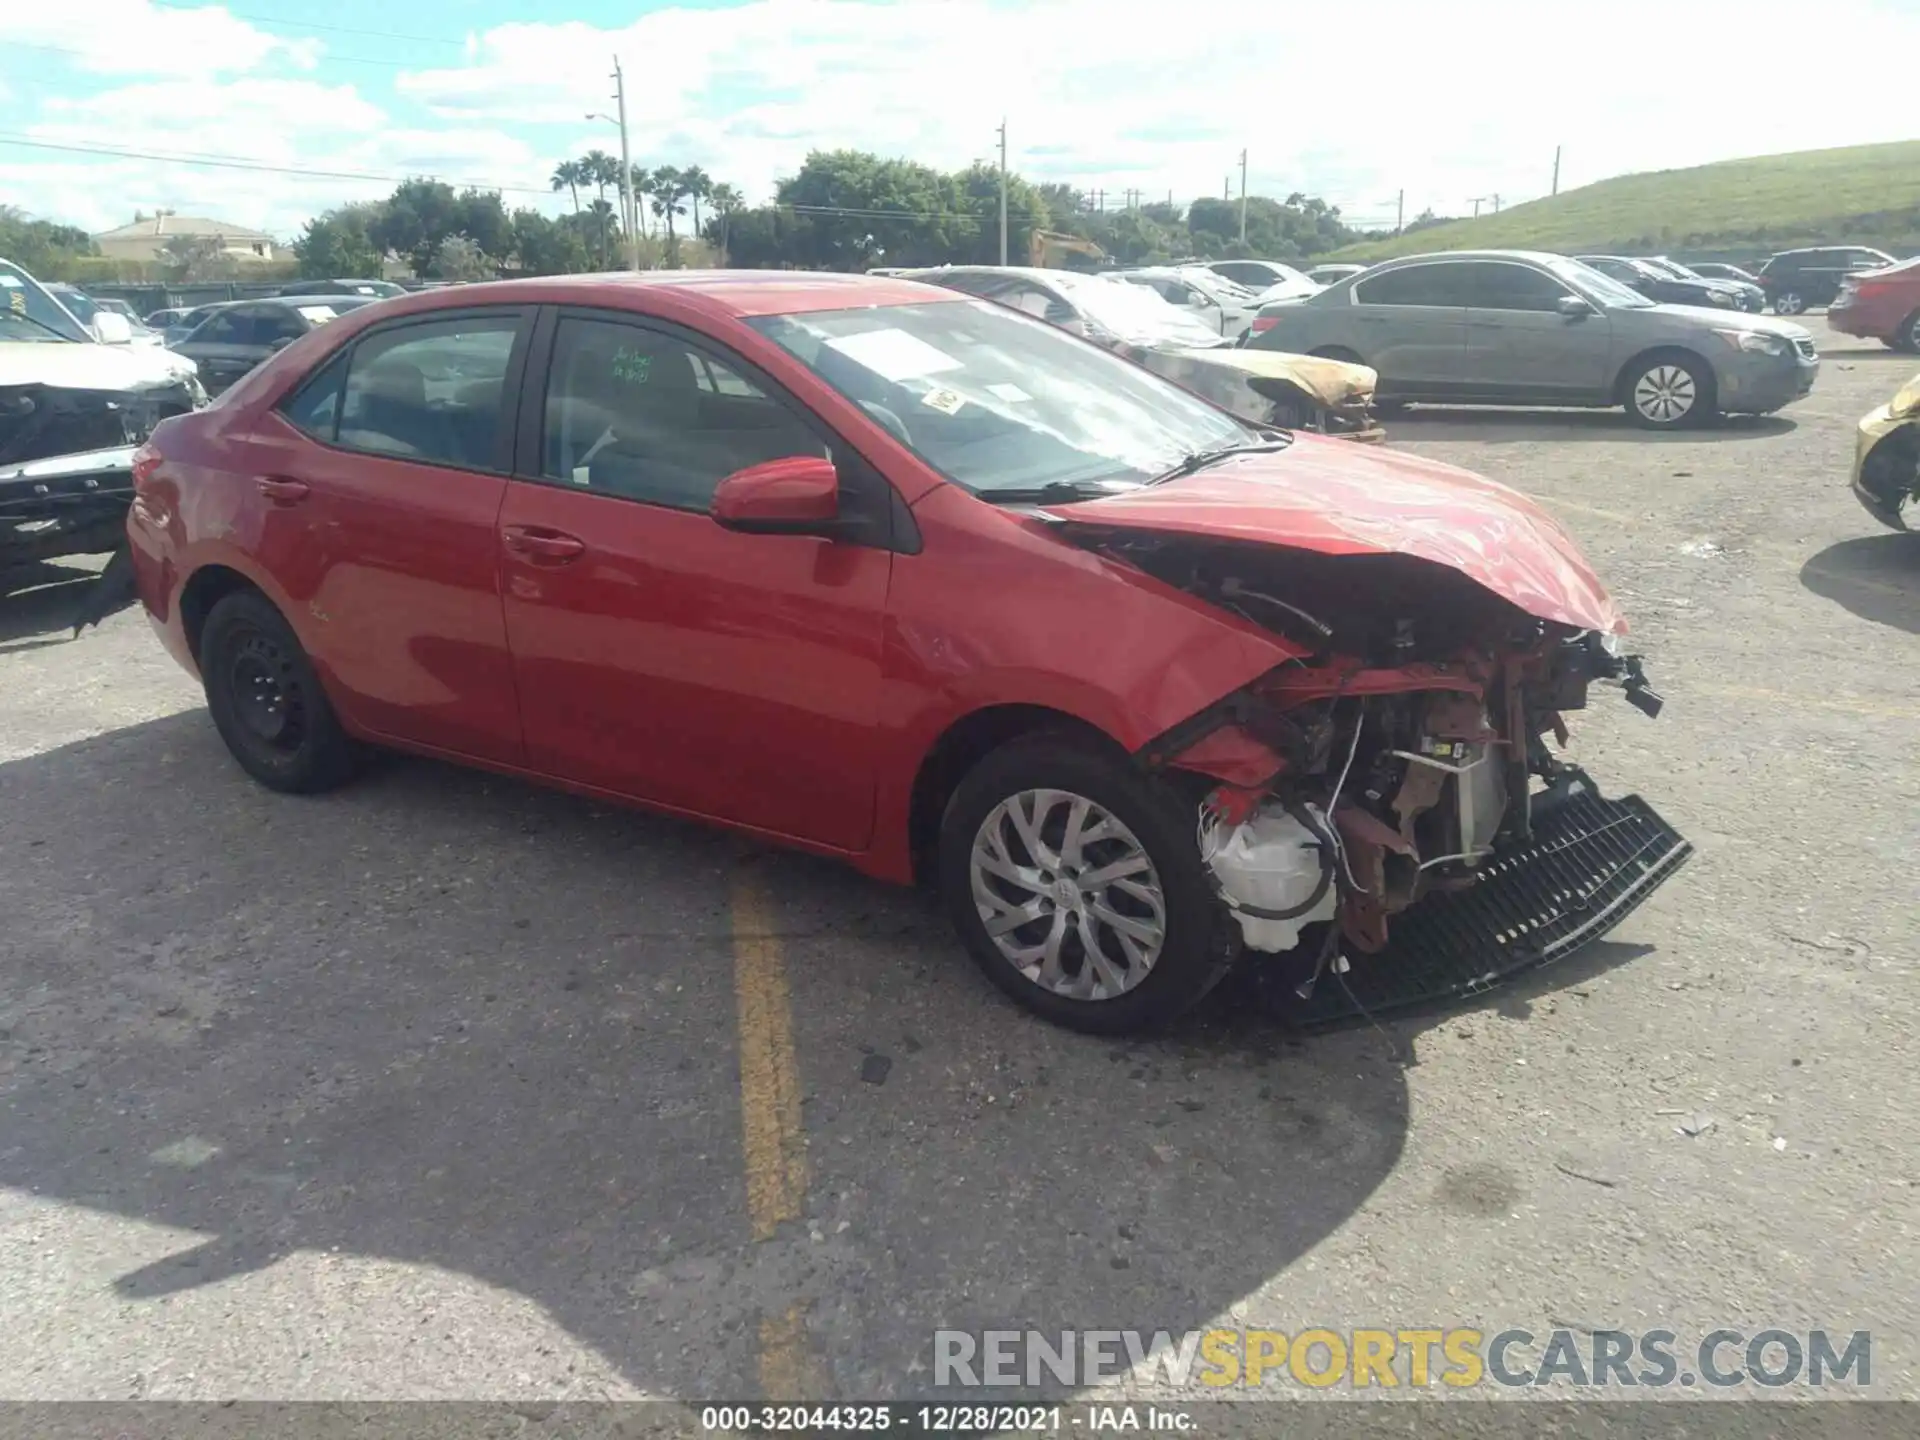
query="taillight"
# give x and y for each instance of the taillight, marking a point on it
(1264, 323)
(146, 460)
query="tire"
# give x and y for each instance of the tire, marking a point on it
(1148, 827)
(1789, 302)
(266, 700)
(1337, 352)
(1906, 337)
(1668, 392)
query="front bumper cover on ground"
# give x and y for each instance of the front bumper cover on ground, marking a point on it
(1589, 863)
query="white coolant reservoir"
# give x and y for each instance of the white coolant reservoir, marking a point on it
(1274, 873)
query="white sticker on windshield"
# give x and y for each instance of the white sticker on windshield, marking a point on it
(1012, 394)
(894, 354)
(318, 314)
(947, 402)
(11, 282)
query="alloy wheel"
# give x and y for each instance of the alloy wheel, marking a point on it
(1664, 394)
(1068, 894)
(1789, 302)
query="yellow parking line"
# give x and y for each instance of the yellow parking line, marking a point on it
(788, 1370)
(770, 1135)
(776, 1152)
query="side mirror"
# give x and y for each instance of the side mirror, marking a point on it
(795, 495)
(110, 328)
(1573, 307)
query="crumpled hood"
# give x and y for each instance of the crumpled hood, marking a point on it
(1328, 496)
(71, 365)
(1331, 382)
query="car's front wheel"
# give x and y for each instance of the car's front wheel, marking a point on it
(1906, 337)
(1666, 392)
(266, 700)
(1076, 883)
(1789, 302)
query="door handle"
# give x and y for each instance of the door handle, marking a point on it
(281, 490)
(543, 544)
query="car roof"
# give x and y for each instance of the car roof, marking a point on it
(1538, 257)
(716, 294)
(323, 298)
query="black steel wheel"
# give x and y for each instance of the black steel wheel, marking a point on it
(266, 700)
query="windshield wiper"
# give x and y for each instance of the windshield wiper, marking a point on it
(1200, 459)
(1054, 492)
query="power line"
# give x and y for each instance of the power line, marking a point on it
(259, 19)
(236, 162)
(327, 58)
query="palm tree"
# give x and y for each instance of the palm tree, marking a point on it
(604, 223)
(669, 189)
(725, 200)
(567, 176)
(642, 183)
(699, 186)
(600, 170)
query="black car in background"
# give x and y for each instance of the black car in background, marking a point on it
(1796, 279)
(1720, 270)
(371, 289)
(1747, 295)
(237, 336)
(1662, 287)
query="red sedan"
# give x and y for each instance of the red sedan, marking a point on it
(1881, 305)
(884, 572)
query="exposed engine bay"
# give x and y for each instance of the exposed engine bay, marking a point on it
(1397, 794)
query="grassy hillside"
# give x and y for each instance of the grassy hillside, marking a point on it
(1866, 194)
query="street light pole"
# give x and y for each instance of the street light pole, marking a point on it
(1243, 197)
(1003, 189)
(627, 197)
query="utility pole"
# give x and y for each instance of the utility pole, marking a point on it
(1003, 189)
(1400, 213)
(1556, 170)
(1496, 204)
(626, 170)
(1476, 207)
(1243, 197)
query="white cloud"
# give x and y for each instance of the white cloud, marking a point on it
(133, 37)
(1447, 101)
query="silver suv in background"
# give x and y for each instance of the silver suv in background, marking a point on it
(1514, 327)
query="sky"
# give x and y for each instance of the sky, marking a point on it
(304, 105)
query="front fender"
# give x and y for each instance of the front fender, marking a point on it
(999, 610)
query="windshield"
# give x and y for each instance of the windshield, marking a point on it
(1133, 312)
(79, 304)
(18, 325)
(1677, 270)
(24, 295)
(994, 400)
(1601, 289)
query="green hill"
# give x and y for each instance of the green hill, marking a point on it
(1865, 194)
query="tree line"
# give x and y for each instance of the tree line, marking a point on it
(842, 210)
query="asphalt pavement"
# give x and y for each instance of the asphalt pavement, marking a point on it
(446, 1087)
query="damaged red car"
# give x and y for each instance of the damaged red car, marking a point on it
(885, 572)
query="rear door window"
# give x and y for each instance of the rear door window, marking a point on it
(431, 391)
(1440, 285)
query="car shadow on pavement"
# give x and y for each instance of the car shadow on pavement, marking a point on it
(35, 599)
(1877, 577)
(450, 1020)
(1508, 427)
